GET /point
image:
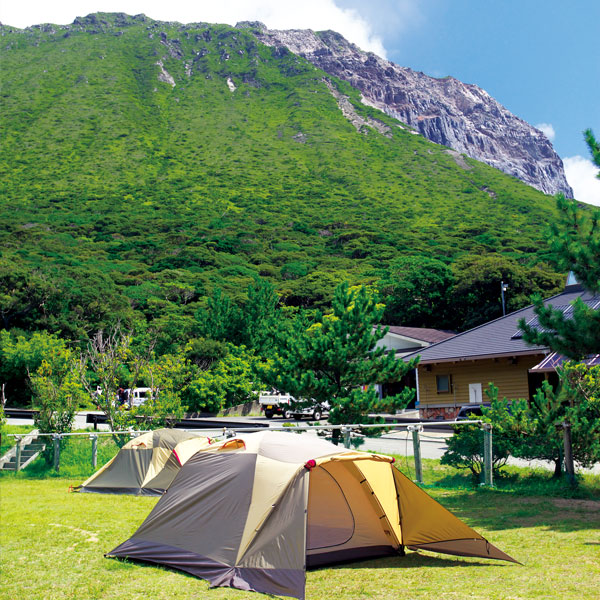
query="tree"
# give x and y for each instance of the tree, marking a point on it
(57, 392)
(21, 355)
(335, 359)
(575, 246)
(163, 407)
(465, 447)
(220, 319)
(223, 383)
(476, 296)
(107, 362)
(416, 292)
(533, 430)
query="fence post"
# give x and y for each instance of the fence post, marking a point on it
(56, 437)
(346, 434)
(569, 465)
(487, 455)
(94, 439)
(415, 429)
(18, 455)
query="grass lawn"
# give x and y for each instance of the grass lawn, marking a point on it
(53, 544)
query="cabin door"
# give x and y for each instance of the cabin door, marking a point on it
(475, 394)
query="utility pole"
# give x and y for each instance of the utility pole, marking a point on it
(503, 288)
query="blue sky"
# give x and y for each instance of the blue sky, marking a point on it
(539, 58)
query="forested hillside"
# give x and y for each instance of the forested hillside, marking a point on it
(147, 164)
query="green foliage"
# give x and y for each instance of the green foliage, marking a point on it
(57, 392)
(417, 292)
(107, 362)
(476, 294)
(534, 431)
(335, 359)
(465, 451)
(575, 335)
(465, 447)
(229, 381)
(21, 355)
(594, 147)
(128, 200)
(575, 245)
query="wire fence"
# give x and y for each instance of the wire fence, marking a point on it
(78, 454)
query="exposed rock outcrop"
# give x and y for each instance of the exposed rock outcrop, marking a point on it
(446, 111)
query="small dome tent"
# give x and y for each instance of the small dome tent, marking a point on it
(256, 516)
(146, 465)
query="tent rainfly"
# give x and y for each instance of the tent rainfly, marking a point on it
(147, 464)
(256, 516)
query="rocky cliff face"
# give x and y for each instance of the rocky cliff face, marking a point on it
(446, 111)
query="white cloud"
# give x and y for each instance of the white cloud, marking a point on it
(276, 14)
(547, 129)
(581, 175)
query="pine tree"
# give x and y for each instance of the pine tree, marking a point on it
(335, 359)
(575, 246)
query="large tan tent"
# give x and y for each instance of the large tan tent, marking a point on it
(254, 513)
(147, 464)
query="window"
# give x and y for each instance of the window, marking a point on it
(444, 383)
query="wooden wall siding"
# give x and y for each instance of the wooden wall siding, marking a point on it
(510, 378)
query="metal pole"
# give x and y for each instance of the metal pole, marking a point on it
(487, 455)
(94, 439)
(56, 437)
(346, 434)
(417, 452)
(18, 456)
(502, 289)
(569, 465)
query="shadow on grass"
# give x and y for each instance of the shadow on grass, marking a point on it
(412, 560)
(499, 510)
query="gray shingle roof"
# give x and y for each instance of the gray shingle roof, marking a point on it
(497, 337)
(423, 334)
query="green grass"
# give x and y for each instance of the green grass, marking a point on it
(9, 442)
(53, 545)
(511, 480)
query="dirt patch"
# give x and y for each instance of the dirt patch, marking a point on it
(459, 159)
(591, 505)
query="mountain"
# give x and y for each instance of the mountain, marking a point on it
(446, 111)
(145, 164)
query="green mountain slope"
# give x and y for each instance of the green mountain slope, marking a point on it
(123, 192)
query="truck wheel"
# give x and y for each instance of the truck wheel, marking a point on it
(287, 414)
(317, 414)
(269, 414)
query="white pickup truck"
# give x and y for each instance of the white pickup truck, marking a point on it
(276, 403)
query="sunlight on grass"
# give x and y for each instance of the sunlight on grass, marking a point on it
(53, 545)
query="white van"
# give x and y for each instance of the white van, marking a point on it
(137, 396)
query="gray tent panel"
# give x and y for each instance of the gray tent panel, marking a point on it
(126, 472)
